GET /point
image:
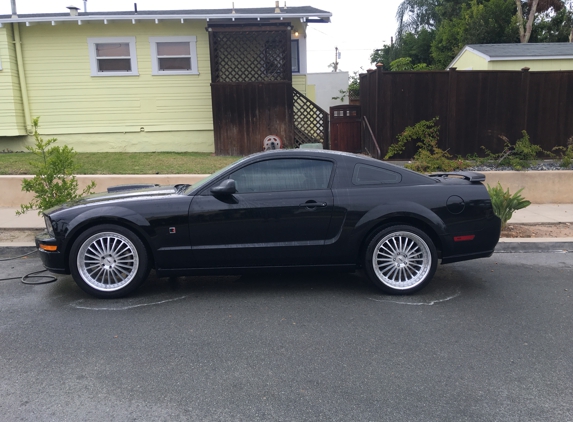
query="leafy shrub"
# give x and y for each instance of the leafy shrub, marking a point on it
(517, 156)
(405, 63)
(566, 153)
(429, 156)
(504, 203)
(53, 182)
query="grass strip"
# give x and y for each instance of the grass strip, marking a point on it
(125, 163)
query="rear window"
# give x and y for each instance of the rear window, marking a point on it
(370, 175)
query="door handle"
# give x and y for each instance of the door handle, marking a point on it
(313, 204)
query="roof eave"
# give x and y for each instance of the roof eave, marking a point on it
(310, 18)
(496, 59)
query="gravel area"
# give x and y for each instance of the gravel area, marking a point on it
(543, 165)
(540, 166)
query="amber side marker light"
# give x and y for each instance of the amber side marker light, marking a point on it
(464, 238)
(49, 248)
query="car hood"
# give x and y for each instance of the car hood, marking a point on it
(148, 193)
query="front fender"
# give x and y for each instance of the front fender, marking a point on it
(101, 213)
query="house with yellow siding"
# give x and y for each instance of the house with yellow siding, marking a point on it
(155, 80)
(535, 56)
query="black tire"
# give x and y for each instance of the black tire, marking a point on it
(401, 259)
(109, 261)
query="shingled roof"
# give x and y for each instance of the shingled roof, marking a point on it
(519, 51)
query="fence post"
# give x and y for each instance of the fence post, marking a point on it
(376, 75)
(524, 100)
(384, 134)
(451, 117)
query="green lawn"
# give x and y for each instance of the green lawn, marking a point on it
(126, 163)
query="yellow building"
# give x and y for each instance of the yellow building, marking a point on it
(139, 81)
(536, 56)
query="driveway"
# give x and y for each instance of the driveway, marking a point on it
(488, 340)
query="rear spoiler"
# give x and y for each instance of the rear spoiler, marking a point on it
(470, 176)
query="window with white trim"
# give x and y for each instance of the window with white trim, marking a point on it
(174, 55)
(113, 56)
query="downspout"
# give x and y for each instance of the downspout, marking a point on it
(22, 77)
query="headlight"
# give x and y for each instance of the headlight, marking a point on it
(49, 227)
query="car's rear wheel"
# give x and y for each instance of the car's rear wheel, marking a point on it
(109, 261)
(401, 259)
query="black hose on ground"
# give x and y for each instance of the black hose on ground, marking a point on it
(24, 279)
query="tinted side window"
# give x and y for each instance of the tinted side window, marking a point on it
(370, 175)
(282, 175)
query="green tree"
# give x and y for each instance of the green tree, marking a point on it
(487, 22)
(405, 63)
(553, 27)
(385, 55)
(415, 15)
(528, 10)
(432, 32)
(416, 47)
(54, 182)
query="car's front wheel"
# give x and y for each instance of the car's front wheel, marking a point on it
(108, 261)
(401, 259)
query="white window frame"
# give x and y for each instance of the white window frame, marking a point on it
(110, 40)
(192, 40)
(302, 68)
(297, 41)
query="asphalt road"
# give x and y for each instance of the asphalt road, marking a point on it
(488, 340)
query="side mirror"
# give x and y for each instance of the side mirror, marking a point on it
(226, 187)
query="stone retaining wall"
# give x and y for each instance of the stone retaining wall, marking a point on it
(540, 187)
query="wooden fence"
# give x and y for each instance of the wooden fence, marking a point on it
(475, 108)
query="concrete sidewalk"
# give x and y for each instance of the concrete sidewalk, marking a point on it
(534, 214)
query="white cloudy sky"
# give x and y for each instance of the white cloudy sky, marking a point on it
(357, 27)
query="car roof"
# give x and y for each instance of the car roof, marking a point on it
(319, 153)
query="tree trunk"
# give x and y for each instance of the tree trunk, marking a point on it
(525, 31)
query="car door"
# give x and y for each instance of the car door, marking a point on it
(279, 215)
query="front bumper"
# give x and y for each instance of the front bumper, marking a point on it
(55, 261)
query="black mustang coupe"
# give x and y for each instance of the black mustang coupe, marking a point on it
(275, 210)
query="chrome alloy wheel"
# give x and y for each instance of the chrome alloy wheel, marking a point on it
(108, 261)
(401, 260)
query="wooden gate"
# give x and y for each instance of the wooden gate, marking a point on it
(345, 128)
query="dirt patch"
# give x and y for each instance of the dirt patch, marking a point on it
(17, 236)
(538, 230)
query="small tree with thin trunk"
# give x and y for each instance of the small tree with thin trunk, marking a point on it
(54, 181)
